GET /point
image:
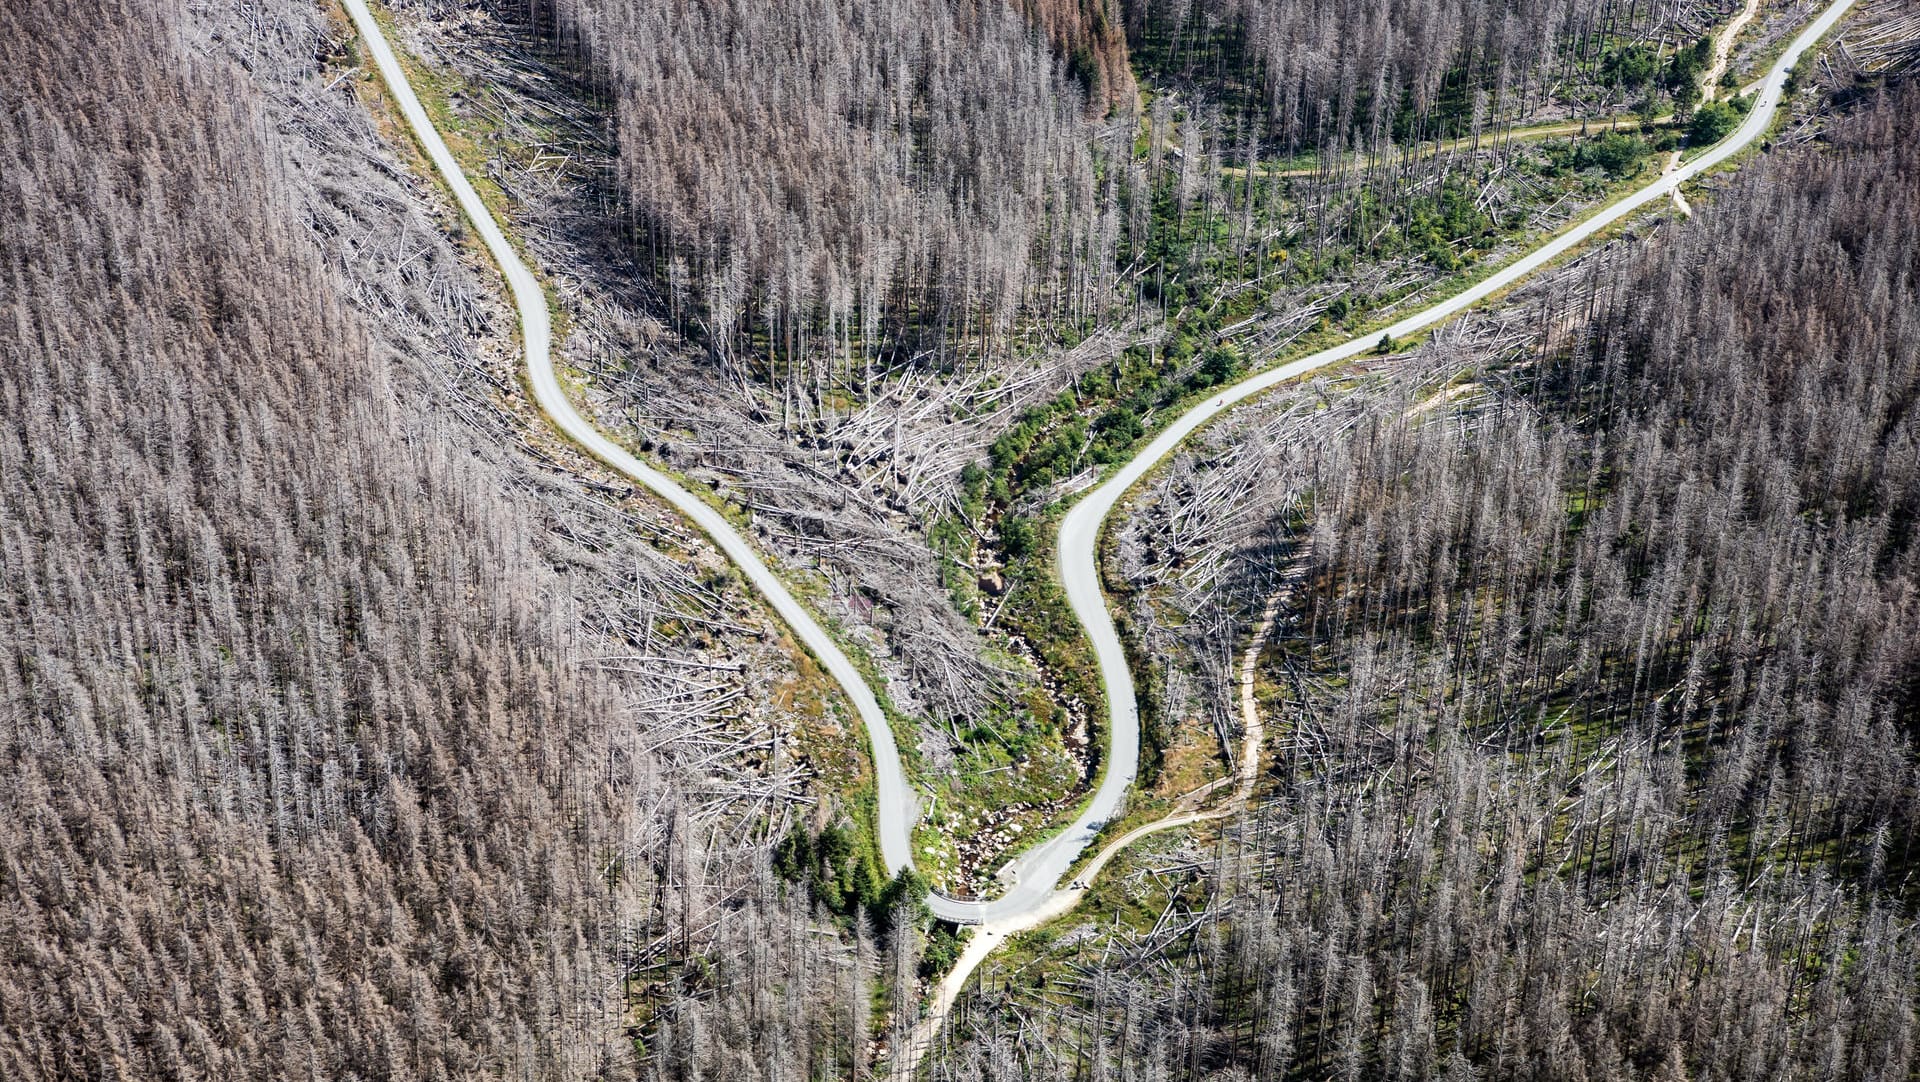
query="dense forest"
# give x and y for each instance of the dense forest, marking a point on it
(827, 194)
(356, 727)
(294, 785)
(1366, 72)
(888, 178)
(1596, 694)
(340, 742)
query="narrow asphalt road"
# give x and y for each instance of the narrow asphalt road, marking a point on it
(1080, 530)
(897, 808)
(1035, 873)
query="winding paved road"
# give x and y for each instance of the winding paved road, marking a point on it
(1080, 531)
(897, 808)
(1034, 874)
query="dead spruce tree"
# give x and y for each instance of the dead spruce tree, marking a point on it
(1595, 753)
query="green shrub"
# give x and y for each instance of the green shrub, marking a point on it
(1219, 365)
(1016, 536)
(839, 873)
(1632, 67)
(1711, 123)
(1618, 153)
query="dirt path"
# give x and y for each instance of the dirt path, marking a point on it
(1723, 50)
(1679, 198)
(1616, 122)
(1188, 810)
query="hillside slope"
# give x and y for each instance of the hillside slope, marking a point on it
(1593, 713)
(341, 724)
